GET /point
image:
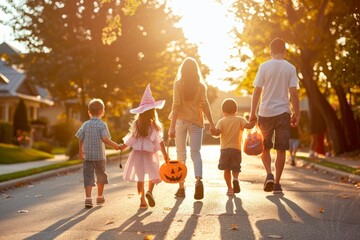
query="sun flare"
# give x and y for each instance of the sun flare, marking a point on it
(207, 24)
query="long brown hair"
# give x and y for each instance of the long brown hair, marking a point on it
(141, 125)
(190, 77)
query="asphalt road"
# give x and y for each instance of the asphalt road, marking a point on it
(314, 205)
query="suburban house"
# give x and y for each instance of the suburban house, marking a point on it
(14, 86)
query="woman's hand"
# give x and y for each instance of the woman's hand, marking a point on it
(171, 133)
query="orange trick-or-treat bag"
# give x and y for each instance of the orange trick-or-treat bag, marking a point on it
(253, 141)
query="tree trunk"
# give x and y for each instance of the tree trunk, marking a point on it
(347, 119)
(333, 126)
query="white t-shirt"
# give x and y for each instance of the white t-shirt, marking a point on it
(275, 77)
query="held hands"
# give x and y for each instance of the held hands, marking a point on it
(294, 120)
(122, 147)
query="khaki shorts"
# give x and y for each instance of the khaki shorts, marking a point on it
(230, 158)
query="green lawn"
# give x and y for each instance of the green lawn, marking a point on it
(14, 154)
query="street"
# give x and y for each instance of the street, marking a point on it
(314, 205)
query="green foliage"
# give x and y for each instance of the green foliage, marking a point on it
(6, 132)
(20, 122)
(77, 60)
(73, 149)
(63, 132)
(10, 154)
(42, 146)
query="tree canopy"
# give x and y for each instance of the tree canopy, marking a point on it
(106, 49)
(323, 42)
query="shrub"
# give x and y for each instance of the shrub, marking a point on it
(6, 132)
(73, 149)
(43, 146)
(63, 132)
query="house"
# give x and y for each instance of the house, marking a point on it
(14, 86)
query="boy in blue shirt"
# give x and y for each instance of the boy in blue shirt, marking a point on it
(93, 135)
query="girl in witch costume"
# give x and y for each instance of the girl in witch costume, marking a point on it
(145, 139)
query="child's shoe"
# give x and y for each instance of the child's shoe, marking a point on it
(150, 199)
(88, 203)
(100, 200)
(230, 192)
(236, 186)
(180, 193)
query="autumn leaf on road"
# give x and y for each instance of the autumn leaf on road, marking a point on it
(321, 210)
(274, 236)
(233, 227)
(343, 196)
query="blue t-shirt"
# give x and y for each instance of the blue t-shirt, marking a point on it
(91, 133)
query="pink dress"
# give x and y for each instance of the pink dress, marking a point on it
(143, 162)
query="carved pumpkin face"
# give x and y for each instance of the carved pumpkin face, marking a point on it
(173, 172)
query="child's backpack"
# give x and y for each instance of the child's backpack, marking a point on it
(253, 142)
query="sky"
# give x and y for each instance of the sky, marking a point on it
(205, 23)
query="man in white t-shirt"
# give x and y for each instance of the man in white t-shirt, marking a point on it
(275, 80)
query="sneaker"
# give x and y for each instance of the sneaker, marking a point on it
(88, 203)
(180, 193)
(150, 199)
(100, 200)
(277, 188)
(199, 190)
(236, 186)
(269, 183)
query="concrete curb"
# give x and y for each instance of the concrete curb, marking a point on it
(352, 177)
(36, 177)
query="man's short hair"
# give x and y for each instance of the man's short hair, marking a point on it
(277, 46)
(96, 107)
(229, 106)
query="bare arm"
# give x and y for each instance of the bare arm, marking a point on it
(254, 103)
(163, 151)
(249, 125)
(294, 98)
(216, 133)
(208, 114)
(122, 147)
(110, 143)
(81, 150)
(171, 132)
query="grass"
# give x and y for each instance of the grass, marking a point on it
(10, 154)
(59, 150)
(20, 174)
(332, 165)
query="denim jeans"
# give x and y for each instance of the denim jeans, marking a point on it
(185, 130)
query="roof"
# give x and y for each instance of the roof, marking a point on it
(14, 84)
(8, 49)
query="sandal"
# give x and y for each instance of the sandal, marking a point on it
(180, 193)
(230, 192)
(150, 199)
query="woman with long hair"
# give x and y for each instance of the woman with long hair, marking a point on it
(187, 120)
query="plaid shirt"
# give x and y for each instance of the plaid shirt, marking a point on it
(91, 133)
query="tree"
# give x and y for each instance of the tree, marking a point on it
(21, 125)
(105, 49)
(313, 30)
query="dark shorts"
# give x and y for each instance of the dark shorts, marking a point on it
(92, 168)
(278, 125)
(230, 158)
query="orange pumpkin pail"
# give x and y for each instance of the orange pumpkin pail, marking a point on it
(173, 171)
(253, 141)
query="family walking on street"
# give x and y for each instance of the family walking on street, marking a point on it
(275, 86)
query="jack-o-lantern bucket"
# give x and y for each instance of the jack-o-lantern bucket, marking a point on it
(173, 171)
(253, 143)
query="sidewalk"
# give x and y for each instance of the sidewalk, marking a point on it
(11, 168)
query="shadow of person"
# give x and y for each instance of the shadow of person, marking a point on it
(235, 224)
(190, 226)
(135, 224)
(63, 225)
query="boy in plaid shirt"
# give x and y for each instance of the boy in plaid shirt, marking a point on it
(93, 135)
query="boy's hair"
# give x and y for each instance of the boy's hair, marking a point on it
(277, 46)
(229, 106)
(96, 107)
